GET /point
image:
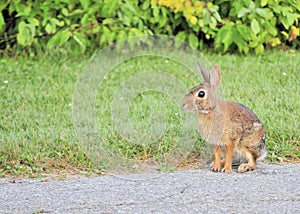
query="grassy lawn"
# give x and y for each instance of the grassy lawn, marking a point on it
(37, 133)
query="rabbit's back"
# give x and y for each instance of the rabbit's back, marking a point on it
(231, 122)
(241, 122)
(244, 128)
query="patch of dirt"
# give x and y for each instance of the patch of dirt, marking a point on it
(193, 161)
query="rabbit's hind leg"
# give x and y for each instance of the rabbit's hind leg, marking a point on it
(251, 165)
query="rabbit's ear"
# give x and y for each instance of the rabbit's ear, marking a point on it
(204, 73)
(215, 76)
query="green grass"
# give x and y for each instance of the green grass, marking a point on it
(37, 133)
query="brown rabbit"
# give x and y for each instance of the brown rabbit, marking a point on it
(225, 123)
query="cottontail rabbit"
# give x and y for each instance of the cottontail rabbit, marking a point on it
(225, 123)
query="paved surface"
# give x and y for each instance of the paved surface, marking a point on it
(269, 189)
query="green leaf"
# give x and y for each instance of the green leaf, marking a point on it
(213, 23)
(238, 40)
(284, 10)
(33, 21)
(109, 8)
(2, 23)
(145, 5)
(85, 4)
(108, 21)
(121, 35)
(49, 29)
(163, 21)
(65, 11)
(193, 40)
(140, 25)
(263, 3)
(27, 11)
(201, 23)
(243, 12)
(155, 11)
(80, 40)
(277, 9)
(3, 4)
(60, 38)
(253, 43)
(54, 40)
(259, 50)
(269, 13)
(271, 28)
(251, 5)
(206, 16)
(224, 36)
(181, 36)
(290, 18)
(24, 36)
(102, 40)
(76, 12)
(227, 39)
(23, 10)
(65, 37)
(26, 33)
(244, 31)
(127, 15)
(106, 31)
(246, 49)
(255, 26)
(285, 22)
(85, 19)
(135, 32)
(217, 16)
(56, 22)
(261, 12)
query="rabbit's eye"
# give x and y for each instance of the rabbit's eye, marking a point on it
(201, 94)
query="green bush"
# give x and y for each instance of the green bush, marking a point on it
(83, 25)
(78, 25)
(242, 24)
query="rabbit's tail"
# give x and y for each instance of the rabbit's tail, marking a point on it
(262, 148)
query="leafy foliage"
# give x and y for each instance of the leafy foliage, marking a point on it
(79, 26)
(243, 24)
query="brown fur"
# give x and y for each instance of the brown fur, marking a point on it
(225, 123)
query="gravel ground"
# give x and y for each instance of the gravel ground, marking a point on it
(269, 189)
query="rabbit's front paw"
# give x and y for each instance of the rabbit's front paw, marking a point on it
(227, 169)
(216, 167)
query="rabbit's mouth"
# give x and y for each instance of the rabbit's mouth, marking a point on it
(188, 108)
(194, 107)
